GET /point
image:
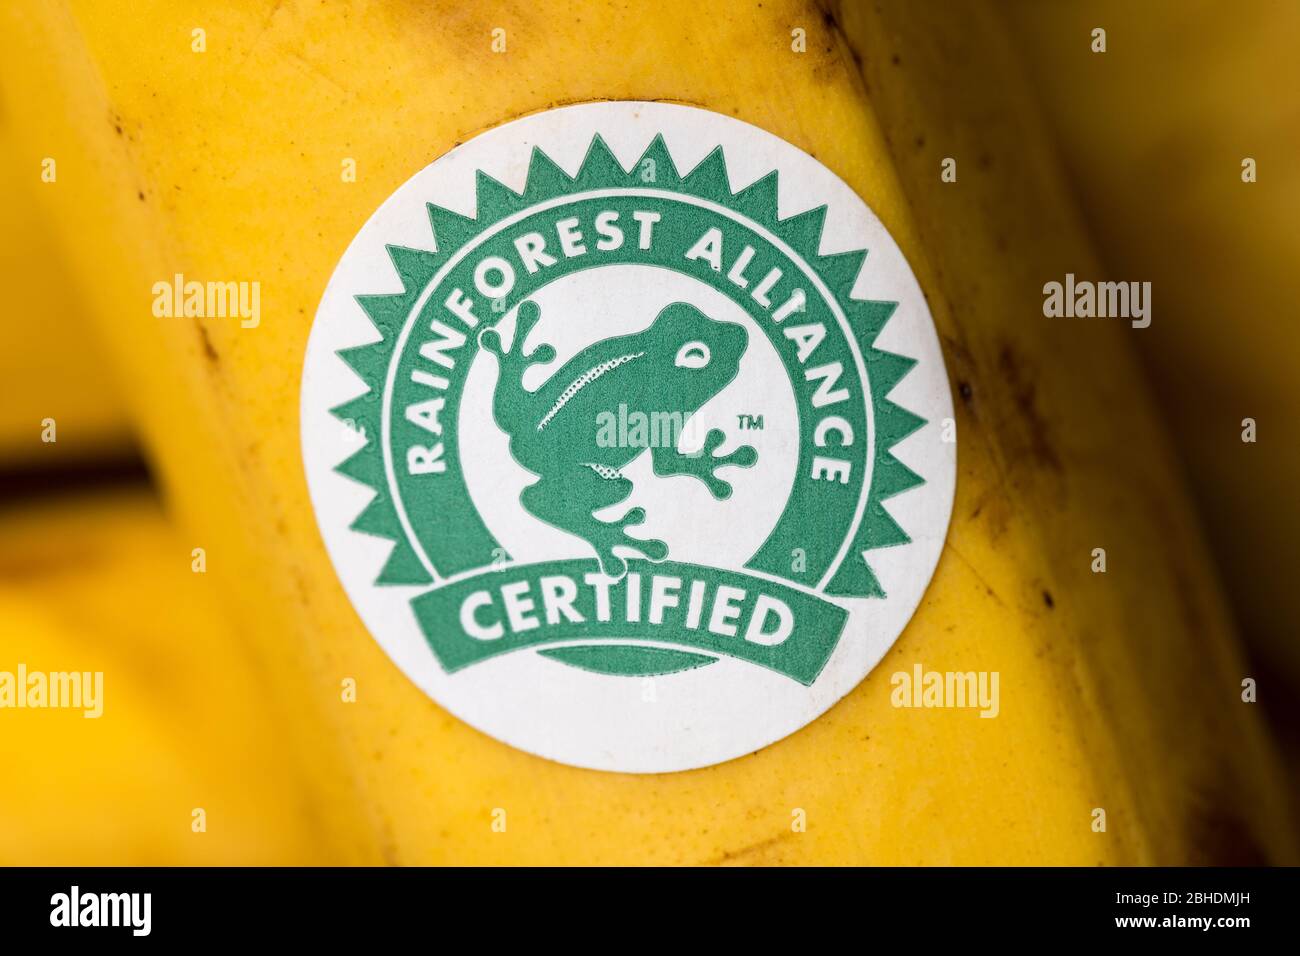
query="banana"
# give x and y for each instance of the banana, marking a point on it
(178, 719)
(1121, 691)
(49, 361)
(1155, 132)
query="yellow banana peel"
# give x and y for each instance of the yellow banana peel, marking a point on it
(1120, 691)
(62, 406)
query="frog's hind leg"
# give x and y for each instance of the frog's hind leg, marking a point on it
(569, 501)
(615, 532)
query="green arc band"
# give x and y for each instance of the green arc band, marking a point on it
(709, 611)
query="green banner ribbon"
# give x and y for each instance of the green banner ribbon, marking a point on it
(570, 603)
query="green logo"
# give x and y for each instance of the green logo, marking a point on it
(522, 297)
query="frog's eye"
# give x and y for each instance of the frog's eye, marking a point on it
(692, 355)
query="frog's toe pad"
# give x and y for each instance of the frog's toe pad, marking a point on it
(529, 313)
(742, 457)
(490, 339)
(633, 517)
(542, 354)
(717, 487)
(611, 564)
(652, 548)
(713, 439)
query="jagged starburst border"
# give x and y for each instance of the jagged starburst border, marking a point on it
(600, 169)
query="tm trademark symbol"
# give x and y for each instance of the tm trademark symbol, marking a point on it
(750, 423)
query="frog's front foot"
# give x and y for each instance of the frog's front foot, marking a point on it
(704, 464)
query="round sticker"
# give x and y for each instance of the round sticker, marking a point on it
(629, 436)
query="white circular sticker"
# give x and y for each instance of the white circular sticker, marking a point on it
(629, 436)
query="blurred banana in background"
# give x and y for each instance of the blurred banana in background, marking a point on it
(179, 766)
(1156, 133)
(50, 360)
(1122, 689)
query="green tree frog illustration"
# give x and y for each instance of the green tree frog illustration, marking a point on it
(673, 367)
